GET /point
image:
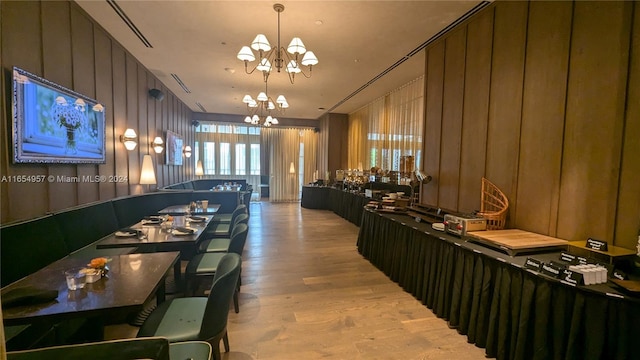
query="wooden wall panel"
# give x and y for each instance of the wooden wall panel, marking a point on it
(543, 116)
(60, 42)
(104, 95)
(452, 104)
(131, 91)
(505, 104)
(434, 82)
(594, 122)
(628, 212)
(145, 136)
(120, 123)
(476, 111)
(84, 82)
(57, 67)
(22, 47)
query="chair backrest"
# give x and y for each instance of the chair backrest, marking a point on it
(236, 244)
(224, 285)
(240, 209)
(156, 348)
(240, 219)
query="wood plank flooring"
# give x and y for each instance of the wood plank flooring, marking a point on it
(308, 294)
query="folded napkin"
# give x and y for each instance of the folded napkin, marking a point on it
(127, 232)
(183, 231)
(197, 218)
(150, 221)
(27, 295)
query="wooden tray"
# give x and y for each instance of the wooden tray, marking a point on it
(516, 241)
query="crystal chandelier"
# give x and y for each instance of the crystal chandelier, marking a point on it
(270, 57)
(261, 107)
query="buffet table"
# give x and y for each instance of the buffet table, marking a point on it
(513, 312)
(346, 204)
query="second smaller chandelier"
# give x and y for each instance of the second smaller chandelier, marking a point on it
(261, 107)
(270, 57)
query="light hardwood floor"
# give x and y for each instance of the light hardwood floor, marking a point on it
(308, 294)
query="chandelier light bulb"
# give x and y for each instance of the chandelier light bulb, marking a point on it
(271, 106)
(309, 59)
(245, 54)
(281, 99)
(264, 65)
(247, 119)
(284, 105)
(274, 121)
(247, 99)
(262, 97)
(261, 43)
(292, 67)
(296, 46)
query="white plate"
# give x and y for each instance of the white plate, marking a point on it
(125, 234)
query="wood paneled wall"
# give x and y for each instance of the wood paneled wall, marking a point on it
(541, 98)
(58, 41)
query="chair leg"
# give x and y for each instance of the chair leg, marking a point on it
(225, 340)
(236, 306)
(216, 351)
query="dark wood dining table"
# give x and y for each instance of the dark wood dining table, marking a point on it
(184, 210)
(132, 281)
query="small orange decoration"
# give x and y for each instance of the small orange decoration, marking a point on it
(99, 263)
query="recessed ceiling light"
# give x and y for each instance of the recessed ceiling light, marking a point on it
(319, 22)
(321, 109)
(230, 70)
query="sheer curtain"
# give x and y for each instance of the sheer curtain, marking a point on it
(388, 128)
(226, 153)
(284, 160)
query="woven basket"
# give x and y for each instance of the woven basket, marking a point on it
(493, 206)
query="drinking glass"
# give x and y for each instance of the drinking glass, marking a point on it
(76, 278)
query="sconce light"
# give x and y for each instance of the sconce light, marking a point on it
(199, 169)
(187, 151)
(158, 145)
(292, 169)
(129, 139)
(147, 173)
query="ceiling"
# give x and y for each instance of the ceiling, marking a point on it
(355, 42)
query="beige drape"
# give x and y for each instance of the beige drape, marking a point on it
(387, 128)
(285, 150)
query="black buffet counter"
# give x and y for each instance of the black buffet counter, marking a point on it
(512, 312)
(346, 204)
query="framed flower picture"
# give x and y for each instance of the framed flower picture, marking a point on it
(53, 124)
(175, 144)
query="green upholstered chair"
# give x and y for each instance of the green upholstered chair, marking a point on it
(222, 244)
(205, 265)
(156, 348)
(198, 318)
(223, 229)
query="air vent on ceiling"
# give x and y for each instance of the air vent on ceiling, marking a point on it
(413, 52)
(201, 107)
(129, 23)
(182, 85)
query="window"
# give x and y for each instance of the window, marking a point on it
(209, 161)
(241, 159)
(254, 168)
(225, 159)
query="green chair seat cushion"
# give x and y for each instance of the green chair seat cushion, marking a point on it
(222, 218)
(178, 319)
(214, 245)
(203, 264)
(195, 350)
(218, 229)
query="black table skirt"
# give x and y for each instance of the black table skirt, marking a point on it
(512, 312)
(343, 203)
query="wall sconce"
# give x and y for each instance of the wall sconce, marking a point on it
(158, 145)
(292, 169)
(187, 151)
(129, 139)
(147, 173)
(199, 169)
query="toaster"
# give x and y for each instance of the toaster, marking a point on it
(461, 224)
